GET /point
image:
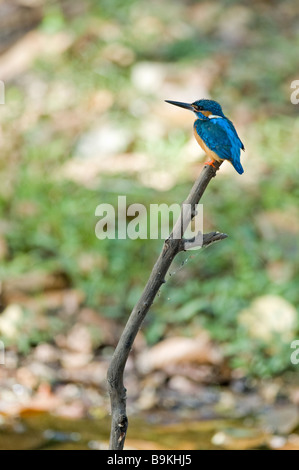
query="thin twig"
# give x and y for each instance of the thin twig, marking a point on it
(173, 245)
(201, 240)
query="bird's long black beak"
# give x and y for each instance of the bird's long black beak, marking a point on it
(181, 105)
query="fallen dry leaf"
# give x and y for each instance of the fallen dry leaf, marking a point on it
(79, 339)
(93, 373)
(69, 300)
(75, 360)
(34, 281)
(43, 400)
(178, 350)
(20, 57)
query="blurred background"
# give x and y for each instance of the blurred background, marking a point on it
(84, 121)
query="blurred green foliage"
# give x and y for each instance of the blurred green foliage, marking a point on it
(57, 231)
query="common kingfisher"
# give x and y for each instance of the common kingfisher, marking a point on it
(214, 132)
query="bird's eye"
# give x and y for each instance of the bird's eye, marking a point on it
(197, 107)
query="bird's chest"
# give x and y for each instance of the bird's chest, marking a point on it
(200, 141)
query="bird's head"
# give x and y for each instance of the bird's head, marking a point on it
(202, 108)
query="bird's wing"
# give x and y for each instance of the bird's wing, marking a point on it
(215, 137)
(232, 127)
(228, 126)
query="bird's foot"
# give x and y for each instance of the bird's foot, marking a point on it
(210, 163)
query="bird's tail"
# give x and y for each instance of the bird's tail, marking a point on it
(238, 167)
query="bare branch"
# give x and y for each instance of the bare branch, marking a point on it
(173, 245)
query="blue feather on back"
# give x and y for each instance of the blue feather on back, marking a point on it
(221, 137)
